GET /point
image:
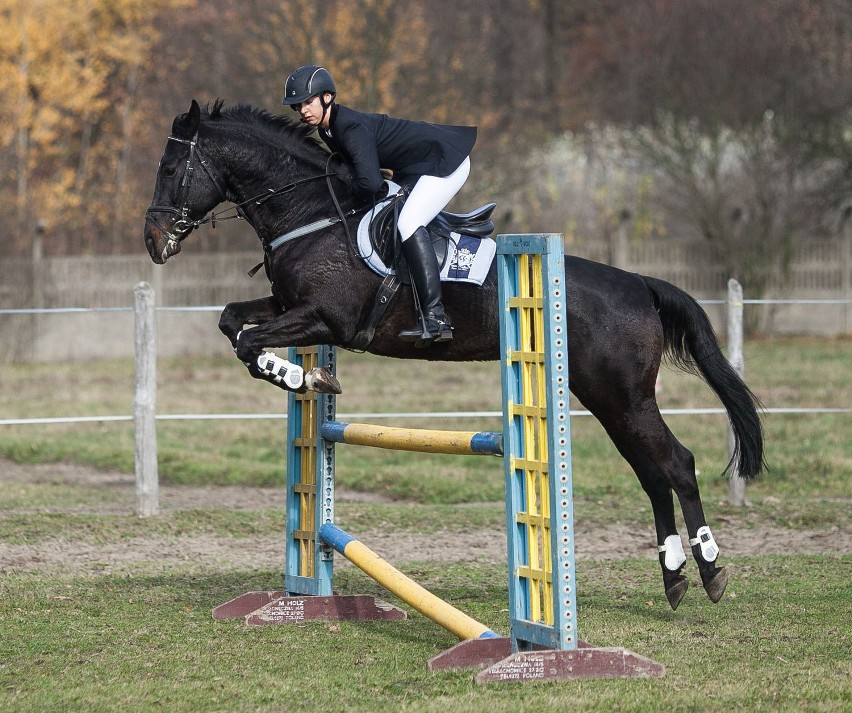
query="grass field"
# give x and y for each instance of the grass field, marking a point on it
(141, 643)
(95, 637)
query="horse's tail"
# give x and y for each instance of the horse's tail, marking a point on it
(690, 344)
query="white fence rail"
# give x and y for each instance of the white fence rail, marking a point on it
(144, 415)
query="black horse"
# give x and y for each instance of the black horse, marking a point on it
(621, 324)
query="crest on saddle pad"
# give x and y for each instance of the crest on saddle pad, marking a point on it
(462, 242)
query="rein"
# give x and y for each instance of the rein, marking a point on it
(183, 225)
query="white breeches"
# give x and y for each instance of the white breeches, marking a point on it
(429, 197)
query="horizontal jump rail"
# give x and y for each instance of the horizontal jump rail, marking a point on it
(431, 606)
(414, 439)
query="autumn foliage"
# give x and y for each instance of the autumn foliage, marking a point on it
(90, 87)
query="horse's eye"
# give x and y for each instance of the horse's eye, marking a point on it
(169, 171)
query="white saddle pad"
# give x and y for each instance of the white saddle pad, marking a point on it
(468, 258)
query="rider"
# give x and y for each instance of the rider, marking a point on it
(431, 159)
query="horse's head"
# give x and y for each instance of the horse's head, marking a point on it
(186, 190)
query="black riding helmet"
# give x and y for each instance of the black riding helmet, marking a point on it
(306, 82)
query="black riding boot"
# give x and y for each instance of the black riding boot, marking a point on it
(425, 274)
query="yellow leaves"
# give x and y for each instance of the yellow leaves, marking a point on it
(63, 65)
(60, 197)
(372, 48)
(48, 69)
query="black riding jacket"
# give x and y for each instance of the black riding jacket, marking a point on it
(410, 149)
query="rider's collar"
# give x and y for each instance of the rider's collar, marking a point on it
(332, 110)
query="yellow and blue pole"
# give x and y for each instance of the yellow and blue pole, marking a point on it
(537, 441)
(414, 439)
(406, 589)
(310, 481)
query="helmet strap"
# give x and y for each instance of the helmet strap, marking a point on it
(326, 105)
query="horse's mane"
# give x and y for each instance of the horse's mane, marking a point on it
(281, 132)
(276, 127)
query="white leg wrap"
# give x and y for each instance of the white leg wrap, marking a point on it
(709, 548)
(675, 556)
(281, 370)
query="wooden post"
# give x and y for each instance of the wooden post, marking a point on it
(846, 278)
(145, 402)
(736, 485)
(30, 349)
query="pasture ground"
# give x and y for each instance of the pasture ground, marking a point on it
(103, 611)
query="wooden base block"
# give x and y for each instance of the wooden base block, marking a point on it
(260, 608)
(472, 653)
(245, 604)
(480, 653)
(493, 656)
(553, 665)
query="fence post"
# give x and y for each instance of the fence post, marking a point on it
(846, 266)
(145, 402)
(736, 485)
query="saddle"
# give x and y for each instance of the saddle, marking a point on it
(386, 244)
(384, 253)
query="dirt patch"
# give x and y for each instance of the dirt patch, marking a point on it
(219, 552)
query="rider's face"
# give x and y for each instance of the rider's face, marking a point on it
(311, 112)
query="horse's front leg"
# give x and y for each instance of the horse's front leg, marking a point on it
(240, 318)
(238, 315)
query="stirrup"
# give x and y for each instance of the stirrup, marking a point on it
(429, 330)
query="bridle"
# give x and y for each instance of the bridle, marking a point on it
(182, 225)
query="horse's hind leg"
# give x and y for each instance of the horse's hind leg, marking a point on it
(657, 488)
(676, 465)
(669, 545)
(704, 547)
(663, 465)
(681, 472)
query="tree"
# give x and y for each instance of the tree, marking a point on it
(72, 71)
(91, 89)
(744, 112)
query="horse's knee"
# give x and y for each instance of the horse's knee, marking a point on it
(229, 325)
(237, 315)
(244, 346)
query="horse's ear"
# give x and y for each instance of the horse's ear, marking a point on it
(194, 115)
(185, 125)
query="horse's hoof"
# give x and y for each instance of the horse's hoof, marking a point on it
(319, 380)
(715, 588)
(676, 592)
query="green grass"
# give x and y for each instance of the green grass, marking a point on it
(144, 640)
(809, 482)
(801, 449)
(780, 642)
(39, 513)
